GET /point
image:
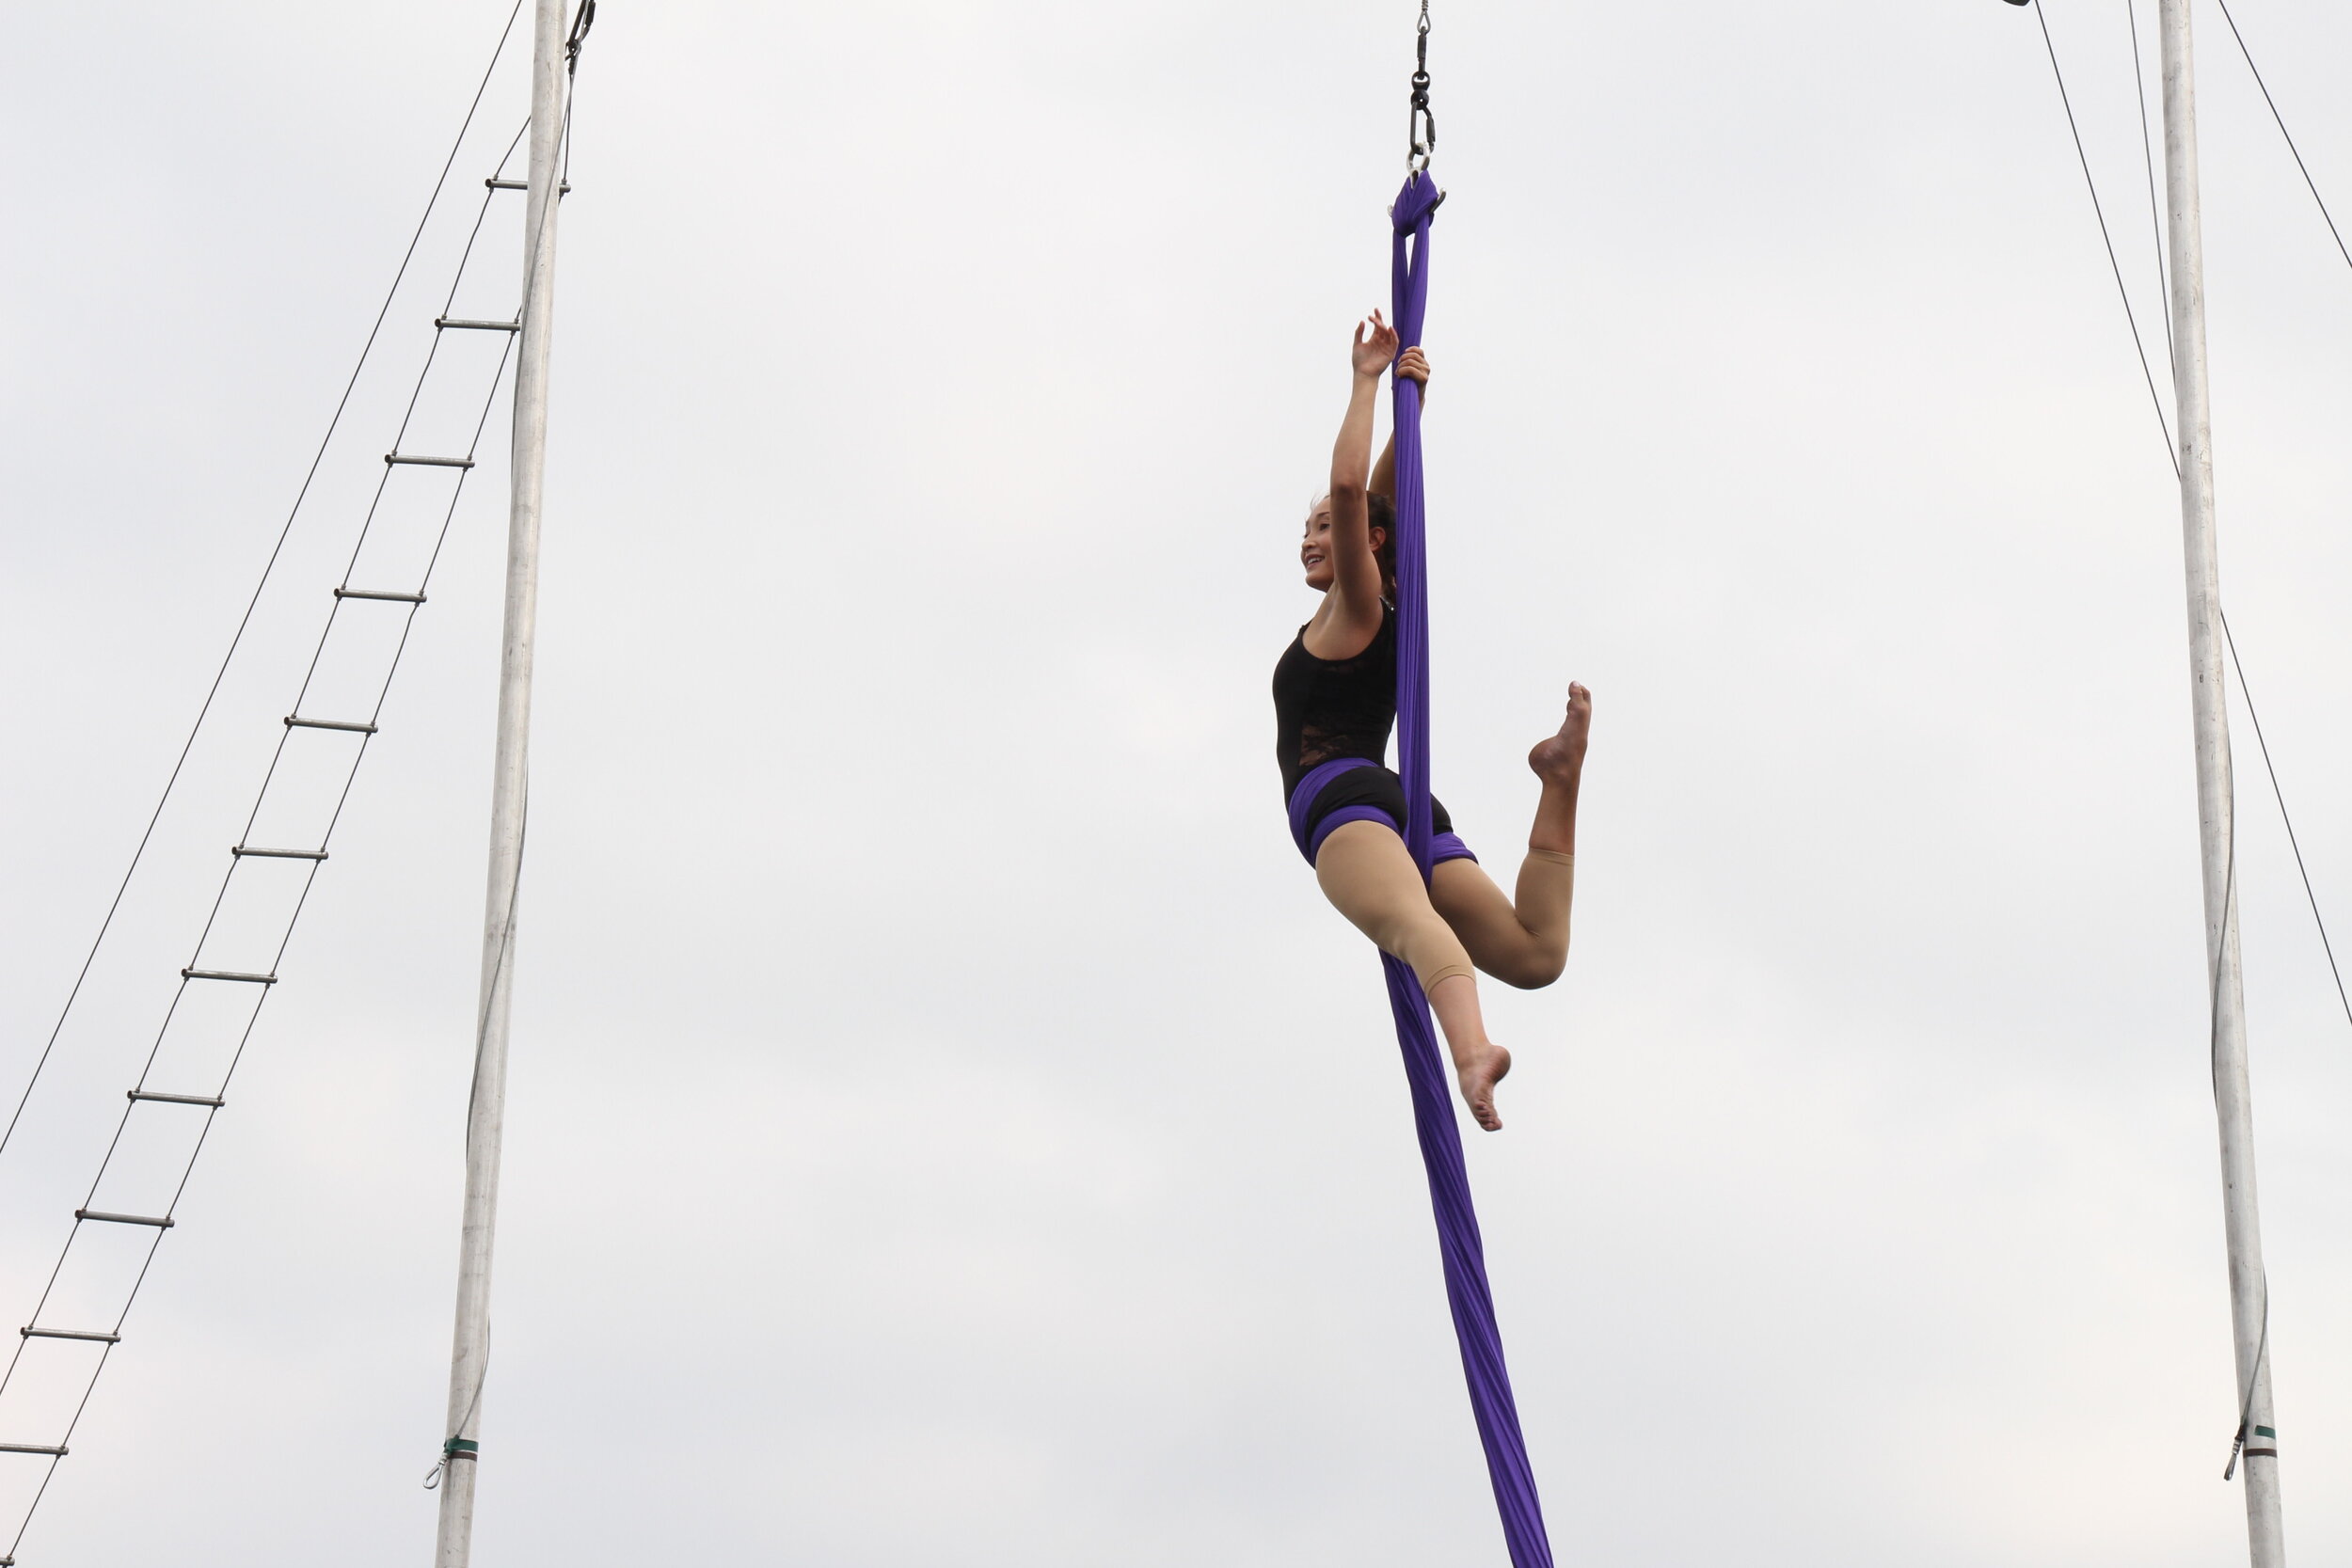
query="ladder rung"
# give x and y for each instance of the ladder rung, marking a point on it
(463, 325)
(372, 593)
(30, 1447)
(498, 184)
(429, 461)
(295, 721)
(278, 854)
(165, 1222)
(92, 1335)
(228, 975)
(161, 1099)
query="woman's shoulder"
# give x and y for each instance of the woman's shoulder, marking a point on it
(1317, 637)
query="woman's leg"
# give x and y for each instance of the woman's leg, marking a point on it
(1369, 878)
(1524, 941)
(1521, 941)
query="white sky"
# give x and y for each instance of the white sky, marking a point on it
(948, 1130)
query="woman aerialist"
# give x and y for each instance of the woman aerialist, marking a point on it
(1334, 704)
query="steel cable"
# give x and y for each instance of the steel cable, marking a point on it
(2279, 119)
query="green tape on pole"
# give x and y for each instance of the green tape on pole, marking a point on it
(2264, 1432)
(457, 1448)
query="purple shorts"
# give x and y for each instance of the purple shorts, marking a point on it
(1357, 789)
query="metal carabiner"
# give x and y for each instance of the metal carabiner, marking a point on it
(1421, 129)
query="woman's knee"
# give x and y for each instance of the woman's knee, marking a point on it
(1421, 939)
(1531, 970)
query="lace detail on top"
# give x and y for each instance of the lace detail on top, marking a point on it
(1334, 708)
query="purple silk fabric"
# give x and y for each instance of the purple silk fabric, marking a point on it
(1425, 1064)
(1445, 846)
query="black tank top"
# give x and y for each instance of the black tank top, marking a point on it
(1334, 708)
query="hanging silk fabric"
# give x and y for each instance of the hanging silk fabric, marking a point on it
(1425, 1066)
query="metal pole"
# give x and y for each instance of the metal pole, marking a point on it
(2232, 1102)
(509, 799)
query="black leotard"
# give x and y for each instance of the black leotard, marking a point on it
(1334, 708)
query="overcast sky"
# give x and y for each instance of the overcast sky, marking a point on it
(948, 1128)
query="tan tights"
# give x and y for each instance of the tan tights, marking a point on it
(1460, 919)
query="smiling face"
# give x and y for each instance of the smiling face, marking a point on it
(1314, 547)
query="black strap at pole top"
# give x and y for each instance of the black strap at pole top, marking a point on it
(582, 20)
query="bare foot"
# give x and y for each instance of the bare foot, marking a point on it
(1479, 1079)
(1560, 759)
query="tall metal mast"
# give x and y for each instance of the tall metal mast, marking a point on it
(509, 798)
(2249, 1306)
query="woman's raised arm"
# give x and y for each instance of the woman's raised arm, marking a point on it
(1352, 613)
(1410, 366)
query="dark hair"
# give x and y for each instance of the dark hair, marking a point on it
(1380, 512)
